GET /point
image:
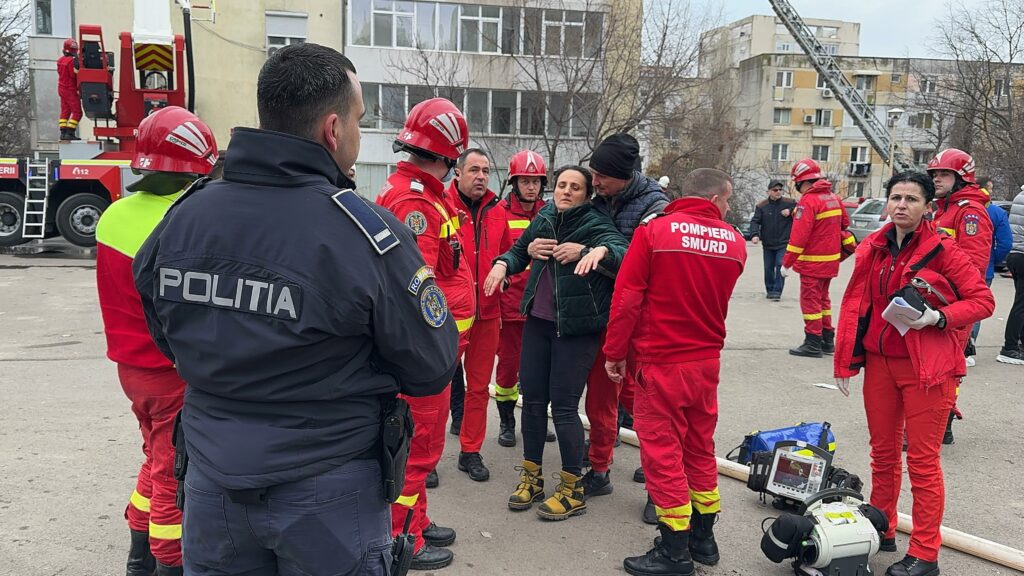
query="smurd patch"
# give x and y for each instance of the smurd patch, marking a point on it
(798, 212)
(971, 224)
(419, 278)
(417, 222)
(434, 306)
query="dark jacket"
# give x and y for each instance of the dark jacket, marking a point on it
(641, 198)
(770, 225)
(292, 310)
(581, 302)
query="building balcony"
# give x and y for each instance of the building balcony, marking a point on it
(823, 132)
(859, 169)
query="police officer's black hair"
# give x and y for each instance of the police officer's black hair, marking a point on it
(588, 176)
(302, 83)
(913, 177)
(465, 155)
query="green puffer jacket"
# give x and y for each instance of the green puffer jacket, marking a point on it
(581, 302)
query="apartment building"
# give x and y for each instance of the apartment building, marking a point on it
(509, 64)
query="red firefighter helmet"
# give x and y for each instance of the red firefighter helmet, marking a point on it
(527, 163)
(954, 160)
(436, 127)
(804, 170)
(173, 139)
(71, 46)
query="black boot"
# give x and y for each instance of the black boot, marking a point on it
(703, 547)
(507, 427)
(947, 438)
(73, 134)
(140, 559)
(828, 341)
(64, 134)
(911, 566)
(162, 570)
(638, 475)
(650, 512)
(811, 348)
(431, 558)
(432, 480)
(438, 535)
(669, 557)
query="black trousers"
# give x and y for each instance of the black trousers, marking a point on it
(553, 370)
(1015, 320)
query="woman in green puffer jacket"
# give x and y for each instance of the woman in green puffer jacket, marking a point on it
(566, 307)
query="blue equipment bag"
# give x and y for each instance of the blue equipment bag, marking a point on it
(815, 433)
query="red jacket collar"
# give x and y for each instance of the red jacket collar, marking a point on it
(694, 205)
(820, 187)
(515, 205)
(431, 183)
(969, 192)
(924, 238)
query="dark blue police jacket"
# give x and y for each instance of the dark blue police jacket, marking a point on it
(292, 309)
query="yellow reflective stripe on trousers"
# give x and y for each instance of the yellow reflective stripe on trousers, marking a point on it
(408, 501)
(518, 224)
(165, 532)
(676, 519)
(818, 258)
(502, 394)
(139, 501)
(709, 502)
(827, 214)
(812, 316)
(826, 312)
(465, 324)
(797, 249)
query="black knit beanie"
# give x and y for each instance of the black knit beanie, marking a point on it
(616, 156)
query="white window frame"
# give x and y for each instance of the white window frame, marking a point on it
(924, 156)
(859, 154)
(820, 116)
(787, 78)
(782, 46)
(780, 152)
(778, 114)
(928, 85)
(480, 20)
(562, 26)
(817, 156)
(821, 84)
(282, 38)
(865, 82)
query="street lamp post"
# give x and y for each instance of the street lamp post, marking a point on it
(894, 115)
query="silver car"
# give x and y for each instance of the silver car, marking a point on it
(868, 217)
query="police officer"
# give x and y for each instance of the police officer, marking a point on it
(148, 378)
(295, 311)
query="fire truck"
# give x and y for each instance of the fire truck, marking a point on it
(45, 197)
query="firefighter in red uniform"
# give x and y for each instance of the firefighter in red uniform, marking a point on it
(485, 237)
(670, 302)
(962, 216)
(435, 135)
(67, 90)
(174, 147)
(527, 176)
(814, 250)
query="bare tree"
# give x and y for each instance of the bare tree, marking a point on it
(15, 100)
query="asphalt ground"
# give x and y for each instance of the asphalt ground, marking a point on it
(69, 445)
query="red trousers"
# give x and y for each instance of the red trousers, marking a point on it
(602, 408)
(894, 400)
(510, 347)
(156, 396)
(815, 304)
(479, 366)
(675, 418)
(70, 111)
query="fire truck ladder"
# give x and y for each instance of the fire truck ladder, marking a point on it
(37, 185)
(860, 111)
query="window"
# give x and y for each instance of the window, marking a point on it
(510, 30)
(783, 46)
(503, 107)
(832, 49)
(780, 152)
(593, 34)
(865, 82)
(558, 115)
(857, 188)
(284, 29)
(584, 119)
(531, 114)
(418, 94)
(828, 32)
(426, 24)
(479, 26)
(563, 33)
(393, 23)
(823, 117)
(821, 83)
(927, 85)
(371, 100)
(922, 157)
(921, 120)
(392, 106)
(820, 153)
(477, 108)
(784, 79)
(896, 78)
(448, 27)
(782, 117)
(859, 154)
(44, 17)
(1001, 89)
(532, 31)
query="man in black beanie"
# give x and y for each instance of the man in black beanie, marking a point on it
(628, 198)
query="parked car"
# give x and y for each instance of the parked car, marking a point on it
(851, 203)
(868, 217)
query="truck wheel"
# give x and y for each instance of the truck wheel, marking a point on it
(77, 218)
(11, 205)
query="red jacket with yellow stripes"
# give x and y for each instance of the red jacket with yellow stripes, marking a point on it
(486, 235)
(962, 216)
(517, 219)
(815, 243)
(418, 199)
(120, 233)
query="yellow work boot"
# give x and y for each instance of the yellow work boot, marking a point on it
(530, 489)
(566, 501)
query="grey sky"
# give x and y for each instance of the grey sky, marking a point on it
(887, 27)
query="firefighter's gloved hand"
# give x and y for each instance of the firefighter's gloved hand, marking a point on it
(844, 386)
(929, 318)
(785, 272)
